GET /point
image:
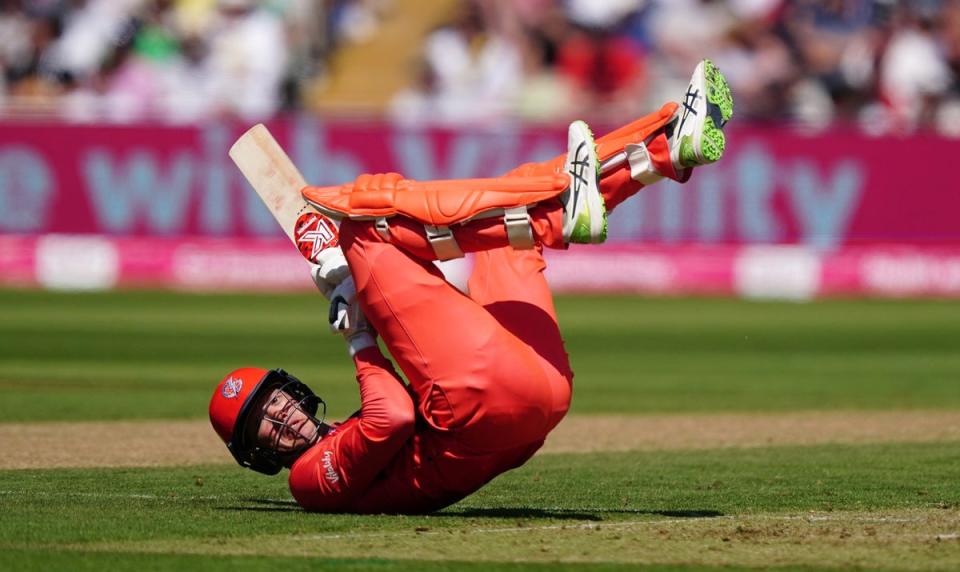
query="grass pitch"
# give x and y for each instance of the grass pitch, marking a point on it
(145, 355)
(128, 356)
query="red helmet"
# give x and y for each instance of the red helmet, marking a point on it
(230, 411)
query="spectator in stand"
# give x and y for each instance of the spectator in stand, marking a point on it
(914, 75)
(16, 41)
(355, 20)
(606, 66)
(248, 60)
(472, 68)
(682, 32)
(26, 36)
(143, 78)
(543, 94)
(835, 44)
(892, 65)
(150, 74)
(948, 116)
(91, 29)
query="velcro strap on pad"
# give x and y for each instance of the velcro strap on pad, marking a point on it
(443, 242)
(641, 166)
(383, 228)
(519, 230)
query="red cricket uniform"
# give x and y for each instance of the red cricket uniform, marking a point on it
(488, 374)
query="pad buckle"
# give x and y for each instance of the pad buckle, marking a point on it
(383, 228)
(443, 242)
(519, 229)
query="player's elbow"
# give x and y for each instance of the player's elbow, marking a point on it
(394, 423)
(399, 426)
(404, 420)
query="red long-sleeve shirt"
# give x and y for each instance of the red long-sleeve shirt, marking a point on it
(386, 459)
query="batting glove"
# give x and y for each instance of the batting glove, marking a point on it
(347, 318)
(330, 271)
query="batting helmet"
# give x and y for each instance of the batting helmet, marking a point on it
(231, 413)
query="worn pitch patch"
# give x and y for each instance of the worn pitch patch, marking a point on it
(723, 430)
(171, 443)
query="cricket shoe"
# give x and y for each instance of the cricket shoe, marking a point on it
(707, 106)
(584, 213)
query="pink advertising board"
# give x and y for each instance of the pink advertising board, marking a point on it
(209, 264)
(784, 214)
(825, 191)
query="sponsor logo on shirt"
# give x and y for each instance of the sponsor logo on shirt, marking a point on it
(331, 473)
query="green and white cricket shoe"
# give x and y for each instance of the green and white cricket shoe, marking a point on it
(707, 106)
(584, 213)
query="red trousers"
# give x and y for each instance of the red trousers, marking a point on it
(490, 368)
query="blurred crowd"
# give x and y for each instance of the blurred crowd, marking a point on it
(887, 65)
(169, 60)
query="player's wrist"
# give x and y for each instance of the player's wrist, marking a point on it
(359, 342)
(330, 270)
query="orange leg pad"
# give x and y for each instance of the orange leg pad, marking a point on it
(440, 203)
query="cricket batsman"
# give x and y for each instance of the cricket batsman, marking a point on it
(487, 374)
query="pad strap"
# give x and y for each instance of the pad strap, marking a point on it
(383, 228)
(519, 229)
(445, 246)
(642, 168)
(443, 242)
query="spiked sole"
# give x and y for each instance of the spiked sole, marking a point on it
(713, 143)
(719, 103)
(602, 237)
(719, 100)
(582, 232)
(603, 205)
(718, 91)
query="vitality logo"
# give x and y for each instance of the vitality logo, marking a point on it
(330, 473)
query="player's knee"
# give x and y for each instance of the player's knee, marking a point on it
(538, 408)
(563, 393)
(562, 396)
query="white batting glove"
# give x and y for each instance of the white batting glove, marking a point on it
(347, 318)
(330, 270)
(345, 314)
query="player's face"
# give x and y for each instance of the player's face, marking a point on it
(285, 427)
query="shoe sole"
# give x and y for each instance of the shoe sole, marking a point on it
(719, 111)
(595, 201)
(598, 198)
(707, 146)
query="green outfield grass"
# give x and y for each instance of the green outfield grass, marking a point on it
(220, 501)
(156, 355)
(652, 506)
(150, 355)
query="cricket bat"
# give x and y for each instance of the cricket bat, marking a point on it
(278, 182)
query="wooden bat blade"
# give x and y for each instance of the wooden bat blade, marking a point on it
(272, 175)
